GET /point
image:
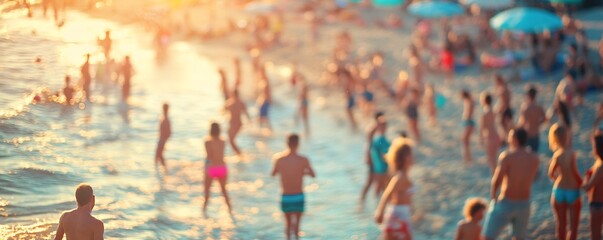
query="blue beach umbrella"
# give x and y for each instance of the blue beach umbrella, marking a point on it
(489, 4)
(526, 20)
(387, 3)
(566, 1)
(435, 9)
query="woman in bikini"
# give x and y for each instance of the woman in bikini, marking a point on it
(215, 167)
(397, 218)
(566, 190)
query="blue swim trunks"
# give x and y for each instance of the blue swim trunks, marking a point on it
(507, 212)
(368, 96)
(351, 102)
(568, 196)
(379, 148)
(264, 109)
(292, 203)
(468, 123)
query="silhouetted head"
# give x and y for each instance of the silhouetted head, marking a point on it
(465, 94)
(557, 137)
(108, 33)
(166, 108)
(597, 141)
(84, 195)
(531, 92)
(518, 137)
(87, 57)
(486, 99)
(293, 141)
(399, 154)
(214, 130)
(67, 79)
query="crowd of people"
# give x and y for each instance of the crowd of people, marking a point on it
(511, 141)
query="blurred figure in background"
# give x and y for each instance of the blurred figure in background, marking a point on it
(165, 131)
(215, 167)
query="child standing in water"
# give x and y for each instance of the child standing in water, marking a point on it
(593, 184)
(397, 220)
(566, 190)
(292, 167)
(470, 228)
(215, 167)
(468, 124)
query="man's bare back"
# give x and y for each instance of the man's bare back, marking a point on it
(292, 168)
(236, 109)
(533, 116)
(518, 170)
(78, 224)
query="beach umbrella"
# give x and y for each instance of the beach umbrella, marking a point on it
(527, 20)
(387, 3)
(259, 8)
(435, 9)
(489, 4)
(566, 1)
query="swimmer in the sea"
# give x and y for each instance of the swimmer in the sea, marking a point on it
(68, 91)
(79, 223)
(215, 167)
(292, 168)
(165, 131)
(86, 77)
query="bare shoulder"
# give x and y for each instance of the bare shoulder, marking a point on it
(98, 224)
(278, 156)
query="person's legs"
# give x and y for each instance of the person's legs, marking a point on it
(596, 218)
(296, 224)
(466, 141)
(367, 185)
(207, 186)
(574, 214)
(288, 219)
(222, 182)
(351, 117)
(381, 180)
(496, 220)
(232, 134)
(559, 210)
(520, 219)
(414, 126)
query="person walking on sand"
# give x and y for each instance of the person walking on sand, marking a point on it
(470, 228)
(165, 131)
(503, 105)
(68, 91)
(397, 221)
(514, 176)
(292, 167)
(469, 124)
(566, 190)
(215, 167)
(79, 222)
(531, 117)
(86, 77)
(593, 184)
(488, 132)
(235, 108)
(377, 148)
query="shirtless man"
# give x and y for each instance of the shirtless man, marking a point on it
(488, 132)
(86, 77)
(235, 108)
(79, 223)
(514, 175)
(531, 117)
(292, 167)
(264, 101)
(468, 124)
(68, 90)
(165, 131)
